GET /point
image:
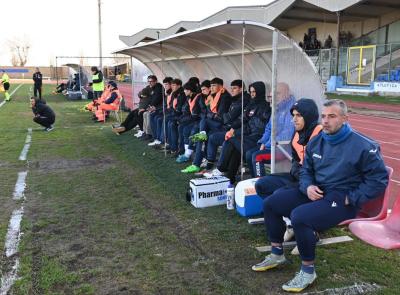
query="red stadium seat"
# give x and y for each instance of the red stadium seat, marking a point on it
(375, 209)
(380, 233)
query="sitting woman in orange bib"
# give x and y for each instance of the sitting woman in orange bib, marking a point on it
(110, 104)
(106, 93)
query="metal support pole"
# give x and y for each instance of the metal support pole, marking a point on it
(242, 76)
(56, 71)
(273, 100)
(163, 102)
(338, 13)
(132, 86)
(100, 42)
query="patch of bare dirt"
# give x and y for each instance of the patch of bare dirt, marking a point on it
(67, 165)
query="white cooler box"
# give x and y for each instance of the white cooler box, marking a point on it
(248, 203)
(207, 192)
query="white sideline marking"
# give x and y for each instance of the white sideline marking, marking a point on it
(396, 181)
(320, 242)
(20, 186)
(9, 278)
(24, 152)
(14, 232)
(3, 102)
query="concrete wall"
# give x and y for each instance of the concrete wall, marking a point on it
(356, 28)
(46, 71)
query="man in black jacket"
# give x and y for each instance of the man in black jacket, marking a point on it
(217, 104)
(255, 116)
(37, 86)
(217, 138)
(155, 106)
(44, 115)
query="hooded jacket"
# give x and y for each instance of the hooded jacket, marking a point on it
(235, 110)
(309, 111)
(255, 115)
(43, 110)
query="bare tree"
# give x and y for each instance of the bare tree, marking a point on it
(19, 49)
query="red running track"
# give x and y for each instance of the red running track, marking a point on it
(387, 133)
(374, 106)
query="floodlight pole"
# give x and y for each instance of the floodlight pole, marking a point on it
(100, 43)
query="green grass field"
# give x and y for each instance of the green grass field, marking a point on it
(105, 214)
(370, 98)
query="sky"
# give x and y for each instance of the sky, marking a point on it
(70, 28)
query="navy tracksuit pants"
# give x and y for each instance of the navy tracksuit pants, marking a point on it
(307, 216)
(265, 186)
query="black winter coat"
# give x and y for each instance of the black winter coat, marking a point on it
(232, 117)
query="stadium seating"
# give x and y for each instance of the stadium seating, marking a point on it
(375, 209)
(380, 233)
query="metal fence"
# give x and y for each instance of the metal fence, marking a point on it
(384, 65)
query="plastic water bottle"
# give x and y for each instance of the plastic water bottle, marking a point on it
(230, 197)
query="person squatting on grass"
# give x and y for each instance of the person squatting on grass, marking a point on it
(305, 118)
(44, 115)
(342, 170)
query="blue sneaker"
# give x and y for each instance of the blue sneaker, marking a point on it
(182, 159)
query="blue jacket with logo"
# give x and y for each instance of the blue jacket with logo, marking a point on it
(353, 165)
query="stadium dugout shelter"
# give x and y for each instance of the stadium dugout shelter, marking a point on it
(365, 50)
(232, 50)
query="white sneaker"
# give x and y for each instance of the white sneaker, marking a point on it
(213, 173)
(153, 143)
(289, 234)
(204, 163)
(139, 134)
(295, 251)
